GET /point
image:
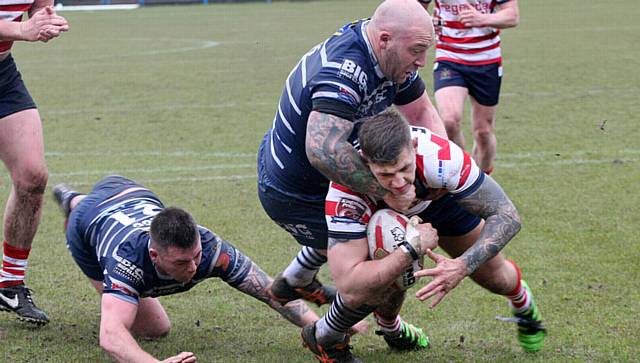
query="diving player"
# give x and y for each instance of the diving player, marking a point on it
(133, 249)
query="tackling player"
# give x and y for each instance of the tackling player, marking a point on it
(364, 68)
(473, 216)
(133, 249)
(469, 63)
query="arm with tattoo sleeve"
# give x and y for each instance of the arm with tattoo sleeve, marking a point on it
(256, 284)
(329, 151)
(502, 222)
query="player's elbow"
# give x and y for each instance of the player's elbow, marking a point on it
(514, 19)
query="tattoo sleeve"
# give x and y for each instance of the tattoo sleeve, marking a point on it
(256, 284)
(329, 151)
(502, 222)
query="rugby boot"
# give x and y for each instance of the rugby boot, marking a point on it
(18, 299)
(410, 338)
(336, 353)
(315, 292)
(531, 332)
(63, 195)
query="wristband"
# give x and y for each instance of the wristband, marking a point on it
(409, 250)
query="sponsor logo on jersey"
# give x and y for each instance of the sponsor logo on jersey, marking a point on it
(398, 234)
(350, 208)
(445, 74)
(455, 9)
(128, 270)
(350, 70)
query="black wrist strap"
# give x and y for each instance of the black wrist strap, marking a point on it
(412, 251)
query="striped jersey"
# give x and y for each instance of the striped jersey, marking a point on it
(339, 76)
(441, 167)
(459, 44)
(12, 10)
(119, 232)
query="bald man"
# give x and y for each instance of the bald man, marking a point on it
(362, 69)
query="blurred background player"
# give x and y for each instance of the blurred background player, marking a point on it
(473, 216)
(22, 151)
(364, 68)
(469, 62)
(133, 250)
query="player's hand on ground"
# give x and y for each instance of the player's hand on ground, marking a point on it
(184, 357)
(402, 202)
(445, 277)
(361, 327)
(470, 17)
(43, 25)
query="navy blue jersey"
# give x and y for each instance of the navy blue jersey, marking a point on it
(117, 231)
(340, 76)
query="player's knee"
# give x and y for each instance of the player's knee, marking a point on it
(483, 134)
(31, 179)
(451, 118)
(159, 330)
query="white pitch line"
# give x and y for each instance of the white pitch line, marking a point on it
(173, 180)
(156, 170)
(176, 153)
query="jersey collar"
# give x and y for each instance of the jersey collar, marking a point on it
(372, 56)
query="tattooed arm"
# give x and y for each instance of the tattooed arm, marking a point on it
(329, 151)
(257, 283)
(502, 222)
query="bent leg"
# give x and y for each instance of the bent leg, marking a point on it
(450, 103)
(151, 320)
(22, 151)
(485, 142)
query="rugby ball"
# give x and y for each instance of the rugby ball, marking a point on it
(385, 231)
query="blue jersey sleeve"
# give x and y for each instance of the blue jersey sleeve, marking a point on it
(123, 279)
(410, 90)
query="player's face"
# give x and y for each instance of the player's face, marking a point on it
(399, 176)
(179, 263)
(405, 55)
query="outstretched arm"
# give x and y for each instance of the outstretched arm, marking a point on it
(329, 151)
(117, 317)
(256, 283)
(502, 223)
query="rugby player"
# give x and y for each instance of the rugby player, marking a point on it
(469, 63)
(364, 68)
(473, 216)
(133, 250)
(22, 151)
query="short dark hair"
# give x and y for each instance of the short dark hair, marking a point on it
(174, 227)
(384, 136)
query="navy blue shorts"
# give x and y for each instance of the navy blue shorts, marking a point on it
(483, 82)
(14, 96)
(449, 218)
(85, 212)
(300, 215)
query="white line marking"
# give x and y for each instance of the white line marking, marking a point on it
(174, 180)
(156, 170)
(176, 153)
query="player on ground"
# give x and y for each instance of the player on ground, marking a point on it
(133, 249)
(364, 68)
(22, 151)
(473, 216)
(469, 62)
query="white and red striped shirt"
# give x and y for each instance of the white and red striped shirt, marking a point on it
(459, 44)
(12, 10)
(441, 167)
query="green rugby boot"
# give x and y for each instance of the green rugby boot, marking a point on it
(410, 338)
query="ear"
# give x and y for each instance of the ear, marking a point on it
(364, 158)
(383, 39)
(414, 142)
(153, 254)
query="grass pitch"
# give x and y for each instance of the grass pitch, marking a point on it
(179, 97)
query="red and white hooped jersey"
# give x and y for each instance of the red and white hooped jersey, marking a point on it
(441, 167)
(459, 44)
(12, 10)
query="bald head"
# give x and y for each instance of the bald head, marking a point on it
(400, 17)
(400, 32)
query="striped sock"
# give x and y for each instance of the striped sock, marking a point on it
(391, 327)
(335, 324)
(14, 263)
(519, 298)
(304, 267)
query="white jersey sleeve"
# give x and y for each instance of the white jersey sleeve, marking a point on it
(347, 212)
(441, 164)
